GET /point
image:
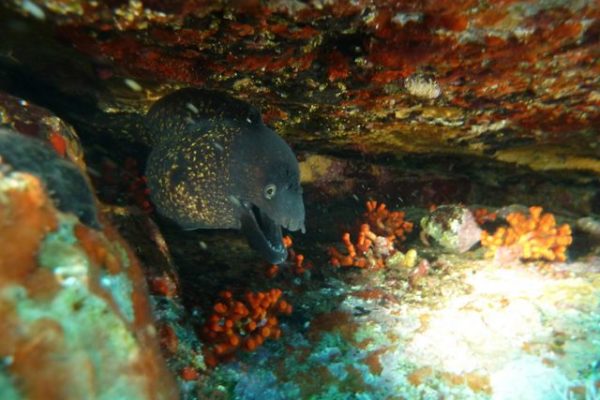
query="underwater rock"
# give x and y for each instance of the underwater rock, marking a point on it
(74, 308)
(31, 120)
(403, 260)
(62, 153)
(529, 236)
(66, 185)
(452, 227)
(589, 225)
(502, 67)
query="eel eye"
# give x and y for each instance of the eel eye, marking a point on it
(270, 191)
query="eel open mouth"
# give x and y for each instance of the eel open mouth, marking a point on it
(263, 234)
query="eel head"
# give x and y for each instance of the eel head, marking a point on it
(270, 197)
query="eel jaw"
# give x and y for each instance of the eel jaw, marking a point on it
(262, 233)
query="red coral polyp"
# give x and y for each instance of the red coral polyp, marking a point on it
(242, 324)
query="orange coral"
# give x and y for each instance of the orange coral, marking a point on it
(59, 143)
(287, 241)
(298, 266)
(482, 215)
(272, 270)
(369, 250)
(163, 286)
(189, 374)
(245, 324)
(384, 222)
(535, 237)
(375, 239)
(297, 259)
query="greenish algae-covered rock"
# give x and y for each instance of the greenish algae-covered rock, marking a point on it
(452, 227)
(76, 321)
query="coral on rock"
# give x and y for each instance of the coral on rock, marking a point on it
(428, 77)
(294, 259)
(242, 324)
(75, 313)
(369, 251)
(376, 239)
(384, 222)
(483, 215)
(533, 237)
(31, 120)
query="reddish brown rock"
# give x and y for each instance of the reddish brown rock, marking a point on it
(518, 74)
(72, 294)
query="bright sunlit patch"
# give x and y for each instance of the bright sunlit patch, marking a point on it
(511, 320)
(513, 283)
(486, 327)
(528, 378)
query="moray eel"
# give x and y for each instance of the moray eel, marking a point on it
(64, 182)
(214, 164)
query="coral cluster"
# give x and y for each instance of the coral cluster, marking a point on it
(376, 238)
(244, 324)
(383, 222)
(369, 251)
(483, 215)
(533, 237)
(298, 266)
(296, 261)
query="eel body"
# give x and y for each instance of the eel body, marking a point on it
(64, 182)
(214, 164)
